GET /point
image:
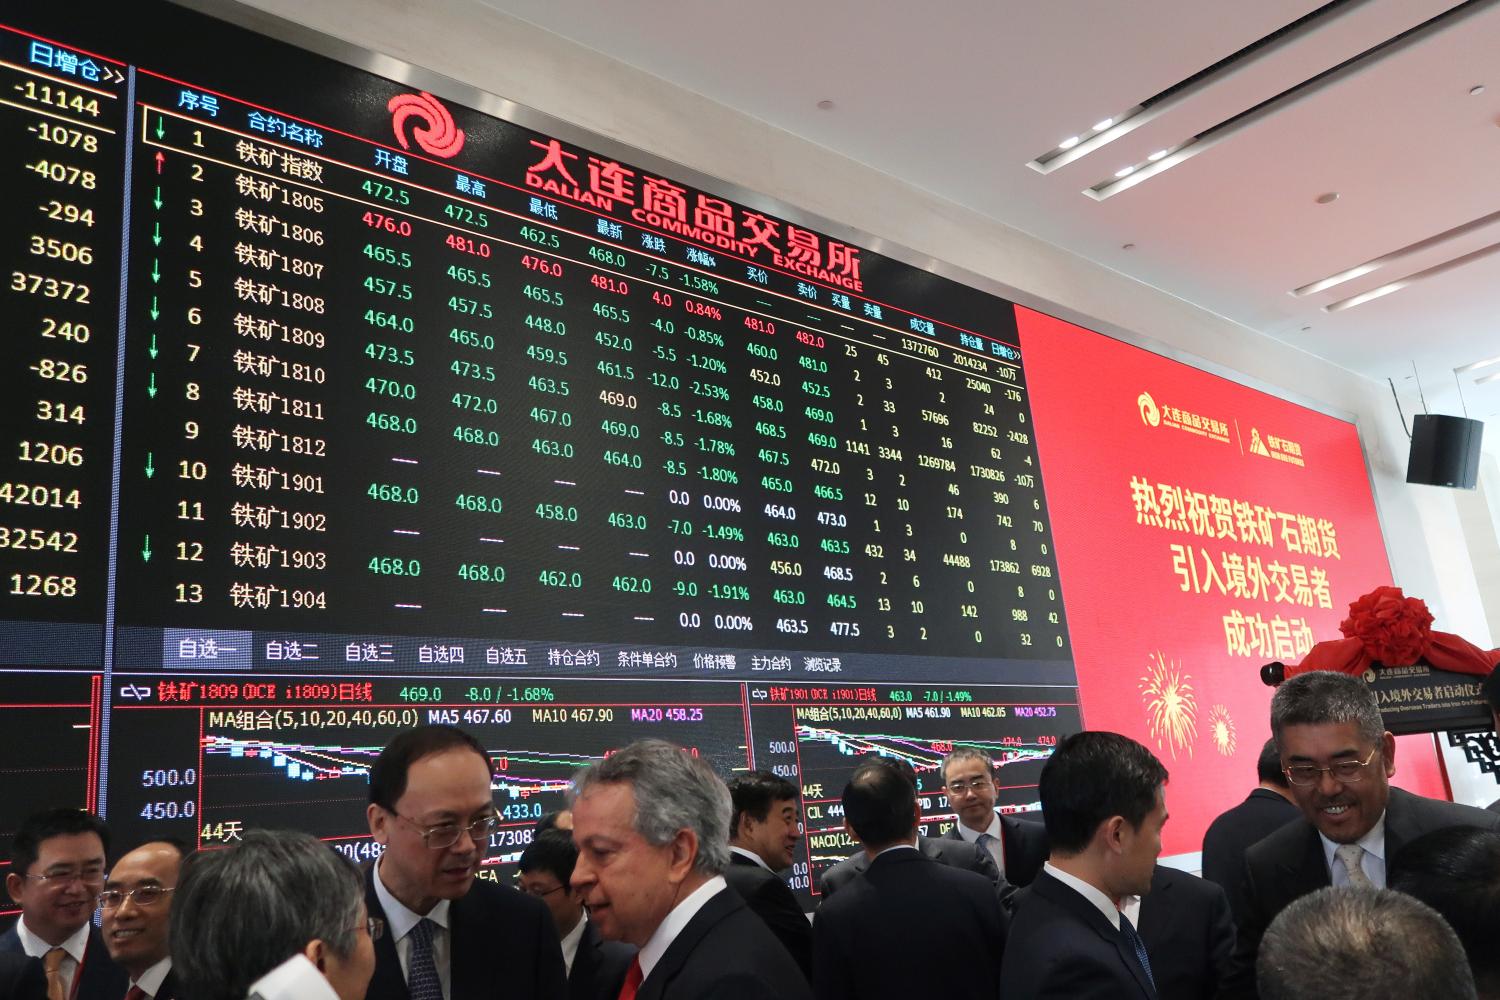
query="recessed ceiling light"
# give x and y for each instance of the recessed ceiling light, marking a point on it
(1476, 365)
(1157, 155)
(825, 105)
(1101, 126)
(1125, 171)
(1487, 378)
(1327, 198)
(1128, 246)
(1306, 328)
(1476, 90)
(1069, 142)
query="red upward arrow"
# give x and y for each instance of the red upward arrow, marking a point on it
(160, 159)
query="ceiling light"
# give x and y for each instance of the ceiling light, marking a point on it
(1125, 171)
(1069, 142)
(1476, 90)
(1327, 198)
(1473, 366)
(1487, 378)
(825, 105)
(1101, 126)
(1157, 155)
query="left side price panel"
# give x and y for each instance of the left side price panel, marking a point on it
(62, 124)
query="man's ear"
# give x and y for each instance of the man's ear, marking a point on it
(316, 952)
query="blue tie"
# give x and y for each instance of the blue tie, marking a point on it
(421, 971)
(1127, 931)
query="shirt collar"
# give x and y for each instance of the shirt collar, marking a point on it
(674, 922)
(913, 846)
(750, 855)
(971, 836)
(1373, 843)
(34, 946)
(570, 942)
(151, 979)
(400, 919)
(1096, 896)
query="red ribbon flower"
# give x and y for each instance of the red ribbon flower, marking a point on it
(1394, 629)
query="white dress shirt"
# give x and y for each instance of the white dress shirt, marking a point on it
(570, 942)
(75, 946)
(400, 921)
(673, 923)
(1373, 860)
(150, 980)
(1096, 896)
(996, 847)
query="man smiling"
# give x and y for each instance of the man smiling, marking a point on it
(1339, 759)
(136, 907)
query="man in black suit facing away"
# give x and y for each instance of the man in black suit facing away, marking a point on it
(136, 909)
(1018, 847)
(953, 853)
(1339, 759)
(57, 870)
(908, 926)
(450, 936)
(652, 827)
(1268, 808)
(1189, 933)
(764, 830)
(595, 967)
(1103, 802)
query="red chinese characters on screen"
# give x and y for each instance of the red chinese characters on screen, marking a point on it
(654, 202)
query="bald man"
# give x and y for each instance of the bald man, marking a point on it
(136, 906)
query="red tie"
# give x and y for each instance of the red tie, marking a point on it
(136, 993)
(632, 980)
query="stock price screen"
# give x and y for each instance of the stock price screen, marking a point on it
(334, 407)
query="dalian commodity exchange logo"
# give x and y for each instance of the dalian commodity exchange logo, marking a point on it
(436, 133)
(1150, 415)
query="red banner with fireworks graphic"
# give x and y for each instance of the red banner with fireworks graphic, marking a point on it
(1203, 529)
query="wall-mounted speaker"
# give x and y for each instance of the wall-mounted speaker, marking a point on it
(1444, 451)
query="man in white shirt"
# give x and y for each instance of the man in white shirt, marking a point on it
(596, 967)
(651, 823)
(136, 908)
(57, 870)
(1018, 847)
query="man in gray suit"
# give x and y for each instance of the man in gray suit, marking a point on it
(1338, 758)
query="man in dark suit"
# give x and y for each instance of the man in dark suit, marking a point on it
(1339, 759)
(652, 827)
(57, 870)
(21, 977)
(1268, 809)
(879, 937)
(595, 967)
(1490, 691)
(1189, 934)
(136, 908)
(1018, 847)
(1102, 800)
(764, 830)
(432, 811)
(1457, 872)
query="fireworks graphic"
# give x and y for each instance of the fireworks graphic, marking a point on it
(1171, 706)
(1221, 730)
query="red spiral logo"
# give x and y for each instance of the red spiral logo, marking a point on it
(436, 133)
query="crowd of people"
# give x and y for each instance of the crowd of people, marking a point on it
(663, 882)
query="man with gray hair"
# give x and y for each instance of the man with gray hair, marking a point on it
(1017, 845)
(651, 823)
(1361, 944)
(1338, 759)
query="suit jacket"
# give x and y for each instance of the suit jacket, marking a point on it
(1290, 863)
(599, 968)
(881, 935)
(503, 944)
(771, 899)
(169, 990)
(1189, 934)
(1229, 836)
(99, 978)
(1023, 845)
(725, 953)
(21, 977)
(1062, 947)
(954, 853)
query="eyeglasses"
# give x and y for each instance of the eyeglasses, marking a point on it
(373, 926)
(92, 875)
(539, 892)
(445, 835)
(144, 895)
(960, 787)
(1346, 771)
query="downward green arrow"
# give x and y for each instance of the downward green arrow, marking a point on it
(152, 349)
(156, 236)
(146, 549)
(155, 271)
(160, 130)
(150, 466)
(155, 312)
(157, 201)
(151, 389)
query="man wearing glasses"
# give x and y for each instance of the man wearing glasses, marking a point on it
(135, 909)
(1339, 759)
(452, 937)
(1018, 846)
(57, 870)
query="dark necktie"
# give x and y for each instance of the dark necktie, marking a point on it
(1133, 940)
(632, 980)
(135, 993)
(421, 971)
